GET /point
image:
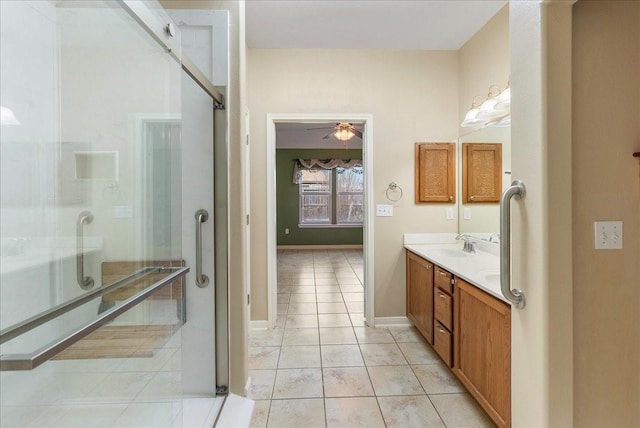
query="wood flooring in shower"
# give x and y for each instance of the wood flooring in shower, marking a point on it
(127, 341)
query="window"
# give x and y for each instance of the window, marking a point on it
(315, 196)
(349, 195)
(331, 197)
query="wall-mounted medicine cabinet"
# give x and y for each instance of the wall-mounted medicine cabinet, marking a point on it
(435, 172)
(481, 172)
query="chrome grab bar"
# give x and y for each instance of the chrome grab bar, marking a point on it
(85, 282)
(201, 279)
(516, 190)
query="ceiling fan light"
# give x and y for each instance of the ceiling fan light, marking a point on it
(344, 134)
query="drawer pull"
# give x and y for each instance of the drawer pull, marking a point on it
(442, 295)
(443, 273)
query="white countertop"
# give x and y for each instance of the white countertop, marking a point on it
(41, 252)
(481, 269)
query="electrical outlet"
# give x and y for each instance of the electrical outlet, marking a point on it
(286, 231)
(608, 235)
(384, 210)
(466, 213)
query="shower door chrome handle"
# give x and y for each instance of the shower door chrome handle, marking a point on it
(202, 280)
(85, 282)
(516, 190)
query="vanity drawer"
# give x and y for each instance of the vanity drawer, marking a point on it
(443, 279)
(443, 308)
(442, 341)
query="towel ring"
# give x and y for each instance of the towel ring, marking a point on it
(393, 187)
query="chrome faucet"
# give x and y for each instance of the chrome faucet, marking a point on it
(468, 245)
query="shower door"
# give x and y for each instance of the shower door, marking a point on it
(198, 334)
(92, 279)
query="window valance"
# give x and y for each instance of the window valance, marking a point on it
(321, 164)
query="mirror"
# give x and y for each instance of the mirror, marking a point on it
(483, 217)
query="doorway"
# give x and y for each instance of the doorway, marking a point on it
(318, 120)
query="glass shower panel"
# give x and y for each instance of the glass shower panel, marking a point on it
(199, 333)
(90, 193)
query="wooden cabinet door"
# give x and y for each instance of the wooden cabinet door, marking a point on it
(481, 172)
(482, 362)
(435, 172)
(420, 294)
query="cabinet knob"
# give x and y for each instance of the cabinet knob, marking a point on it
(450, 198)
(472, 198)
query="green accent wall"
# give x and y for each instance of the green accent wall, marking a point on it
(287, 201)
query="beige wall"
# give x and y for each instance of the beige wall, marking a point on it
(606, 186)
(412, 96)
(541, 333)
(484, 61)
(235, 106)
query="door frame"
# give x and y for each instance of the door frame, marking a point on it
(367, 159)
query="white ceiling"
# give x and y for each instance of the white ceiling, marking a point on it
(366, 24)
(359, 24)
(305, 136)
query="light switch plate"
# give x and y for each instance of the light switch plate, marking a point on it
(449, 213)
(466, 213)
(384, 210)
(608, 235)
(122, 211)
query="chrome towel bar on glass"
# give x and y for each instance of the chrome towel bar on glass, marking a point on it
(85, 282)
(32, 360)
(202, 280)
(516, 190)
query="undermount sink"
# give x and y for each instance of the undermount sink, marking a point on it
(491, 277)
(448, 252)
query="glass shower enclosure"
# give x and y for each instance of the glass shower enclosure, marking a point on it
(95, 213)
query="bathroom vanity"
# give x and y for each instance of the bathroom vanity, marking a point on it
(454, 301)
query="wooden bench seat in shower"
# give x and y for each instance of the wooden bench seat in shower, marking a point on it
(120, 341)
(128, 341)
(113, 271)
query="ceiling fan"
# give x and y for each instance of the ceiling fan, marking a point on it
(343, 131)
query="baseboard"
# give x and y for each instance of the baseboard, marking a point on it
(392, 322)
(259, 325)
(320, 247)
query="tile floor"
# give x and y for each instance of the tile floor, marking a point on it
(321, 367)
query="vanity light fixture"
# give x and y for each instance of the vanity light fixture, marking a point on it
(494, 109)
(487, 109)
(502, 123)
(471, 118)
(504, 99)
